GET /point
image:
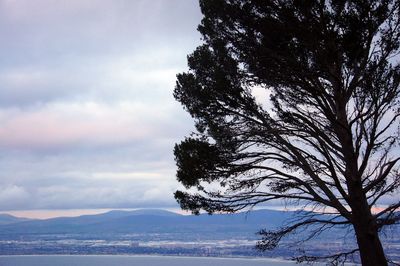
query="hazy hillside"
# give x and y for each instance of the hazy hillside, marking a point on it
(9, 219)
(150, 221)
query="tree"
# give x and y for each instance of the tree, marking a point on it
(328, 137)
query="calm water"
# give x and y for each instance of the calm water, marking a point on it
(133, 261)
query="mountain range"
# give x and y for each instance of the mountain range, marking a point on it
(145, 221)
(167, 224)
(9, 219)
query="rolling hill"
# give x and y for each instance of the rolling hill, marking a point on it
(147, 221)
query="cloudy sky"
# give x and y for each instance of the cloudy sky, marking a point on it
(87, 116)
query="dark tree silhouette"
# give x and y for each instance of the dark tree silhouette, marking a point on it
(327, 135)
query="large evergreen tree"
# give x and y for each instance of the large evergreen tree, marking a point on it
(326, 137)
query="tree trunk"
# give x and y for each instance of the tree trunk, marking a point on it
(371, 251)
(365, 227)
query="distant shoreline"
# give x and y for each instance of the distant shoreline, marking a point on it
(151, 256)
(125, 260)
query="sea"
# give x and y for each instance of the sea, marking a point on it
(123, 260)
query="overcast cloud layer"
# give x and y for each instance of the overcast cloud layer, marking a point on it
(87, 116)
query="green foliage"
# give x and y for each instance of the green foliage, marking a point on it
(197, 160)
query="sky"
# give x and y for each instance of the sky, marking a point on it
(87, 116)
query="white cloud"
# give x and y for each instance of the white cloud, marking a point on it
(12, 195)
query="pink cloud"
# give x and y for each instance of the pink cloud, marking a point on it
(88, 123)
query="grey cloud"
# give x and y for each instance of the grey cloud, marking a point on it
(121, 176)
(87, 117)
(56, 51)
(86, 27)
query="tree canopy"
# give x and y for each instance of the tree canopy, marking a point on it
(296, 101)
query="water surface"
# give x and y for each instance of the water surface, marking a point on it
(111, 260)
